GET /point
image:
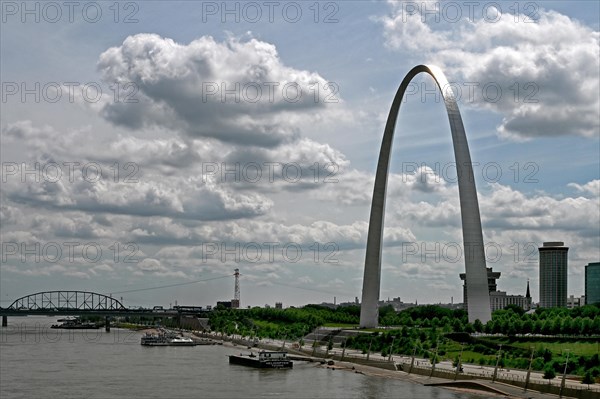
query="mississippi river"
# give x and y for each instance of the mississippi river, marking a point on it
(39, 362)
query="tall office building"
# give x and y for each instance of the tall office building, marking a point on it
(592, 283)
(553, 275)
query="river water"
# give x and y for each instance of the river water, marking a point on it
(39, 362)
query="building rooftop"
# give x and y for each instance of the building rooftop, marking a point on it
(553, 244)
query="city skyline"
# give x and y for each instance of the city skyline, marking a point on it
(180, 155)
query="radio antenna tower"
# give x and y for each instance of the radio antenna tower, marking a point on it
(236, 292)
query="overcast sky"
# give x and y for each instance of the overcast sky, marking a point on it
(148, 144)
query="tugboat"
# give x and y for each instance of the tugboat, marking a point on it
(266, 360)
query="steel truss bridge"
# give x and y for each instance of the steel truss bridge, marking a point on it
(83, 303)
(67, 300)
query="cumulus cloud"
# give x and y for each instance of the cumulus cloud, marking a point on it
(236, 91)
(547, 70)
(150, 265)
(119, 178)
(197, 245)
(178, 197)
(591, 188)
(355, 187)
(539, 212)
(10, 215)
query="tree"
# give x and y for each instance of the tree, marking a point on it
(455, 363)
(587, 326)
(515, 309)
(588, 379)
(501, 362)
(527, 326)
(434, 358)
(576, 325)
(457, 325)
(387, 315)
(538, 363)
(469, 328)
(549, 373)
(547, 327)
(544, 353)
(511, 328)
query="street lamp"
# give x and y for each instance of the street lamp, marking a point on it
(458, 364)
(315, 343)
(562, 383)
(528, 371)
(497, 361)
(434, 359)
(412, 361)
(392, 348)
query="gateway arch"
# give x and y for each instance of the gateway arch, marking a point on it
(478, 306)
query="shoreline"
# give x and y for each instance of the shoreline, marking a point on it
(481, 388)
(371, 371)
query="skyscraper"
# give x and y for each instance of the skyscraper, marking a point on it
(592, 283)
(553, 275)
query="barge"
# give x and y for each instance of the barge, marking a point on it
(75, 324)
(265, 360)
(165, 338)
(154, 340)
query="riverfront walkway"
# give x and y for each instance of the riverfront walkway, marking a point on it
(376, 365)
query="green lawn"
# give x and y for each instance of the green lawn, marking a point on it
(467, 356)
(557, 348)
(340, 325)
(265, 324)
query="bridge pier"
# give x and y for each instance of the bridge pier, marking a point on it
(107, 323)
(4, 321)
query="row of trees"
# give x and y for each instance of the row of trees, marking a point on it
(510, 321)
(425, 330)
(430, 344)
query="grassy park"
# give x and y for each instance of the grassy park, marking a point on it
(509, 339)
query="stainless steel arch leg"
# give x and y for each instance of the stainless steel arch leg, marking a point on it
(478, 305)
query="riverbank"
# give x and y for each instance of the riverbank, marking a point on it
(380, 367)
(387, 369)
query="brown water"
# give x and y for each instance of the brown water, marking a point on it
(39, 362)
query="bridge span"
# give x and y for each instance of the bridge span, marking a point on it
(84, 303)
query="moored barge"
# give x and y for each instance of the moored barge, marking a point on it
(265, 360)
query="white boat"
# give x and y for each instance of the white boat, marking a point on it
(182, 341)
